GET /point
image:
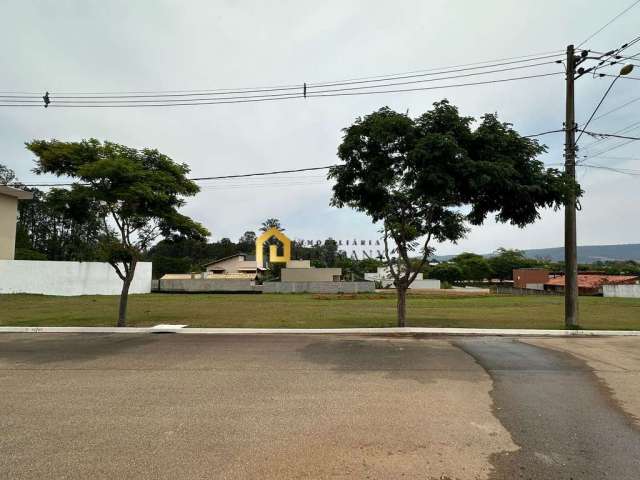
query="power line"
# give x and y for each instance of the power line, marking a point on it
(321, 93)
(626, 171)
(598, 143)
(486, 82)
(543, 133)
(134, 99)
(378, 80)
(55, 99)
(616, 108)
(626, 77)
(247, 175)
(610, 135)
(260, 174)
(198, 179)
(394, 77)
(613, 57)
(297, 86)
(626, 129)
(597, 106)
(629, 159)
(609, 23)
(615, 147)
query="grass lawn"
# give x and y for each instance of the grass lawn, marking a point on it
(322, 311)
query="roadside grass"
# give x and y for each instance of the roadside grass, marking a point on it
(319, 311)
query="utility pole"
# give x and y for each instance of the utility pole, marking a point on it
(570, 240)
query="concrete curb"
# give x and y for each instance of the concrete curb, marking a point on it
(332, 331)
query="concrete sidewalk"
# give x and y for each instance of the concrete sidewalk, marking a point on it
(185, 329)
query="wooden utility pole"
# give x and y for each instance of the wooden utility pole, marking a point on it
(570, 241)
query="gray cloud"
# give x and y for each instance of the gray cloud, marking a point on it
(98, 46)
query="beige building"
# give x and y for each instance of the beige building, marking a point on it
(240, 263)
(9, 197)
(301, 271)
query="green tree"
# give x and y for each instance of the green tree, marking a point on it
(162, 265)
(6, 175)
(329, 252)
(136, 194)
(45, 225)
(446, 272)
(473, 266)
(247, 242)
(505, 261)
(271, 223)
(413, 176)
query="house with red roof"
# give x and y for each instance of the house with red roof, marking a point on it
(591, 283)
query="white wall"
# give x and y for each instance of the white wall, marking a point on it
(428, 284)
(68, 278)
(383, 275)
(629, 291)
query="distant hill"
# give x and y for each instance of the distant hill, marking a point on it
(586, 253)
(591, 253)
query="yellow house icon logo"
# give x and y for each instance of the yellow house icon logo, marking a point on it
(273, 249)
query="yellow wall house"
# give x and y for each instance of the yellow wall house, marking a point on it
(9, 197)
(273, 249)
(295, 270)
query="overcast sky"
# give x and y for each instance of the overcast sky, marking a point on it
(161, 45)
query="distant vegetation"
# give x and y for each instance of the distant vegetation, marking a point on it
(46, 232)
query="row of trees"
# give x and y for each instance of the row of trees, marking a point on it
(46, 231)
(187, 255)
(416, 177)
(121, 202)
(473, 267)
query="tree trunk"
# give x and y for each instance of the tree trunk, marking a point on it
(124, 296)
(402, 305)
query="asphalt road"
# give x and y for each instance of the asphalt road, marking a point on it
(564, 419)
(197, 406)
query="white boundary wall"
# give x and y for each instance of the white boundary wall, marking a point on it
(383, 275)
(628, 291)
(68, 278)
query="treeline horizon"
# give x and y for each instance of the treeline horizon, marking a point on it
(44, 233)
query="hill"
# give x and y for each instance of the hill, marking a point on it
(586, 253)
(591, 253)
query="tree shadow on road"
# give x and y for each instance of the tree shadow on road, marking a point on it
(400, 358)
(41, 349)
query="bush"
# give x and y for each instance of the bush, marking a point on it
(28, 254)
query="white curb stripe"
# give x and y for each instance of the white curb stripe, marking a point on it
(343, 331)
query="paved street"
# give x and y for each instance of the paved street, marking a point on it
(304, 406)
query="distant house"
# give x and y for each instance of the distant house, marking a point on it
(302, 271)
(9, 197)
(234, 264)
(591, 283)
(532, 278)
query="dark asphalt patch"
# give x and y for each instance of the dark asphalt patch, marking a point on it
(423, 362)
(563, 419)
(42, 349)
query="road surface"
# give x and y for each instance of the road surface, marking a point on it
(313, 406)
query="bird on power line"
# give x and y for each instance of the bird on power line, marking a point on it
(326, 89)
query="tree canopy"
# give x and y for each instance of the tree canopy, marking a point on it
(504, 261)
(6, 175)
(473, 266)
(134, 194)
(418, 177)
(271, 223)
(446, 272)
